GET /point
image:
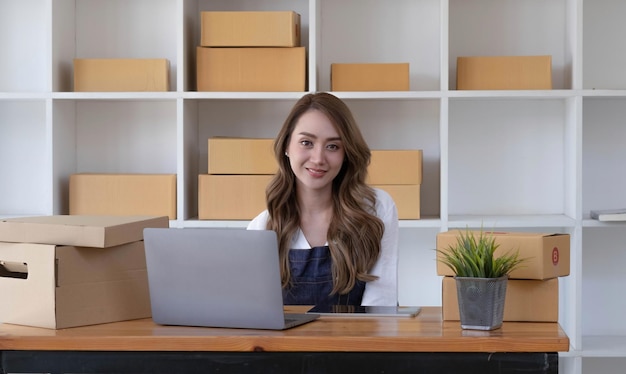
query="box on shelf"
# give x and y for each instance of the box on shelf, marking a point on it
(51, 286)
(504, 73)
(406, 197)
(98, 231)
(369, 77)
(136, 75)
(251, 69)
(395, 167)
(547, 255)
(123, 194)
(241, 156)
(526, 300)
(250, 29)
(231, 196)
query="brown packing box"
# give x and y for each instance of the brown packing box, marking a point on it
(76, 230)
(231, 196)
(548, 255)
(250, 29)
(241, 156)
(55, 287)
(251, 69)
(504, 73)
(137, 75)
(526, 300)
(406, 197)
(395, 167)
(123, 194)
(369, 77)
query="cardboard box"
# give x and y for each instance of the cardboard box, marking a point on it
(504, 73)
(526, 300)
(231, 196)
(548, 255)
(55, 287)
(123, 194)
(406, 197)
(76, 230)
(250, 29)
(369, 77)
(251, 69)
(395, 167)
(136, 75)
(241, 156)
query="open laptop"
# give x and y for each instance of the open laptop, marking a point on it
(216, 277)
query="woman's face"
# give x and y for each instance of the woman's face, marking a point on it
(315, 151)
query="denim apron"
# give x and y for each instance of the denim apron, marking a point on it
(311, 280)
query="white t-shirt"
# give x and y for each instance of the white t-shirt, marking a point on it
(384, 290)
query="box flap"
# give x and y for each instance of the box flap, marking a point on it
(78, 230)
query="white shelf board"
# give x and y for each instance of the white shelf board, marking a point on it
(489, 221)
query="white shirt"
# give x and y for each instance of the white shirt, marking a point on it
(384, 290)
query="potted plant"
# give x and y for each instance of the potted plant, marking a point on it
(481, 278)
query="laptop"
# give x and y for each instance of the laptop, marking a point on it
(217, 277)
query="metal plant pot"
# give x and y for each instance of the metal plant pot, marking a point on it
(481, 302)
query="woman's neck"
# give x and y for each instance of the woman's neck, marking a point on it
(316, 212)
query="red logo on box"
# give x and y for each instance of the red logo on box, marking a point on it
(555, 256)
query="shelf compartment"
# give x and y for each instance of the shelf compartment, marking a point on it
(507, 157)
(511, 28)
(603, 144)
(408, 31)
(25, 60)
(25, 187)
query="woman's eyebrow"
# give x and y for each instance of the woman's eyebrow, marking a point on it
(315, 136)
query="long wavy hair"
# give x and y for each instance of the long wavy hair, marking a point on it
(355, 232)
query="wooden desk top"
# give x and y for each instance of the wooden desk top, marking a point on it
(424, 333)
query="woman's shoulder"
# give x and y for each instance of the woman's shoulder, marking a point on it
(383, 197)
(259, 222)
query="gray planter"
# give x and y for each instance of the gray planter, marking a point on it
(481, 302)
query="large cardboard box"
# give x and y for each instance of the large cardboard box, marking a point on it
(504, 73)
(395, 167)
(406, 197)
(526, 300)
(241, 156)
(231, 196)
(250, 29)
(369, 77)
(138, 75)
(123, 194)
(55, 287)
(78, 230)
(251, 69)
(547, 255)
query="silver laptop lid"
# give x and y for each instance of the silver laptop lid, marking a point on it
(216, 277)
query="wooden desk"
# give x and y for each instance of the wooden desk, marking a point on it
(329, 345)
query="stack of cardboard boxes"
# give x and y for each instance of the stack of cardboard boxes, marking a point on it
(399, 172)
(66, 271)
(250, 51)
(238, 173)
(532, 293)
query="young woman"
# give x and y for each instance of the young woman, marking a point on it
(338, 237)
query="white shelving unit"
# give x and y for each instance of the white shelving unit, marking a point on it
(515, 160)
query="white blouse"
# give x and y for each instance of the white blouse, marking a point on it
(384, 290)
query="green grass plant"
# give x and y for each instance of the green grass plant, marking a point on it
(473, 256)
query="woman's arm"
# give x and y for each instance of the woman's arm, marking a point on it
(384, 290)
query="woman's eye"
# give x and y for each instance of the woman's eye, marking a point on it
(306, 143)
(333, 147)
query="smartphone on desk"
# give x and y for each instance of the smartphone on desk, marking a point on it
(365, 311)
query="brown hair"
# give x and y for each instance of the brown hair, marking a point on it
(355, 232)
